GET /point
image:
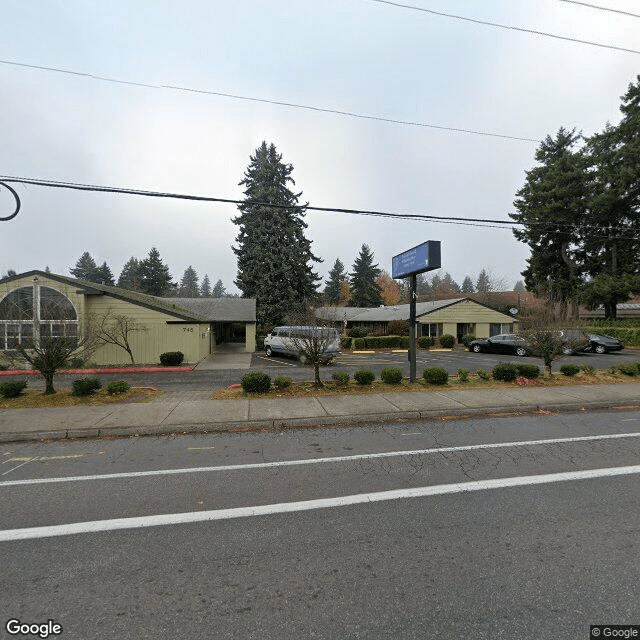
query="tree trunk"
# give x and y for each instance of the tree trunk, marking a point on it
(316, 367)
(48, 380)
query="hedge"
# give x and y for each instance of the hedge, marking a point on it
(379, 342)
(12, 389)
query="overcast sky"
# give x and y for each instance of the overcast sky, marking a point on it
(359, 56)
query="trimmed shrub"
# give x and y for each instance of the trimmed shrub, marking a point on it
(341, 378)
(398, 328)
(435, 375)
(358, 343)
(404, 342)
(588, 369)
(505, 372)
(530, 371)
(357, 332)
(482, 374)
(463, 375)
(345, 342)
(466, 339)
(569, 369)
(447, 341)
(116, 387)
(256, 382)
(12, 389)
(76, 363)
(630, 369)
(391, 375)
(171, 358)
(424, 342)
(282, 382)
(4, 367)
(364, 376)
(86, 386)
(260, 342)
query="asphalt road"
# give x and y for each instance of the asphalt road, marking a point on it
(507, 559)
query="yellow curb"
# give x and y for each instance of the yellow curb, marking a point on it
(399, 350)
(364, 352)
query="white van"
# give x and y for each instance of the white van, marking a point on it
(291, 341)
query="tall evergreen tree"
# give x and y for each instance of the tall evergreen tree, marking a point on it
(273, 253)
(86, 268)
(218, 290)
(519, 286)
(337, 275)
(205, 287)
(189, 287)
(365, 291)
(467, 285)
(104, 275)
(130, 277)
(483, 284)
(448, 285)
(155, 278)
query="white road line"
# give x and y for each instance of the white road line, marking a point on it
(307, 505)
(17, 467)
(292, 463)
(277, 362)
(198, 448)
(44, 458)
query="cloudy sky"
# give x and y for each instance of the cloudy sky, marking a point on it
(361, 56)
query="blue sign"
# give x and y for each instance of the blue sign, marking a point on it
(424, 257)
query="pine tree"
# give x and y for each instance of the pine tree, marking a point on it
(218, 290)
(467, 285)
(519, 286)
(273, 254)
(104, 275)
(365, 291)
(86, 268)
(448, 285)
(155, 278)
(336, 276)
(483, 284)
(205, 287)
(189, 287)
(130, 277)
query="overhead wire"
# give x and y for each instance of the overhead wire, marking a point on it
(597, 6)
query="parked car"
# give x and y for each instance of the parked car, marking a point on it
(601, 343)
(502, 343)
(574, 341)
(291, 341)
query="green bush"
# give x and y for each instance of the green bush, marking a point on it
(569, 369)
(505, 372)
(171, 358)
(282, 382)
(116, 387)
(76, 363)
(260, 341)
(404, 342)
(4, 367)
(364, 376)
(435, 375)
(482, 374)
(530, 371)
(463, 375)
(466, 339)
(256, 382)
(391, 375)
(345, 342)
(398, 328)
(358, 343)
(341, 377)
(588, 369)
(357, 332)
(12, 389)
(424, 342)
(85, 386)
(630, 369)
(447, 341)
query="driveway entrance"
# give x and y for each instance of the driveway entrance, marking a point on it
(229, 355)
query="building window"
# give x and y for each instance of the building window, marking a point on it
(496, 328)
(433, 329)
(28, 313)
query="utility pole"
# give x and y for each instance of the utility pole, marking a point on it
(412, 329)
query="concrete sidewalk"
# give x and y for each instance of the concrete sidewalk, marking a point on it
(171, 416)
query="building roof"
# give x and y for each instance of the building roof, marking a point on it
(187, 309)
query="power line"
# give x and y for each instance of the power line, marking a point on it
(506, 26)
(595, 6)
(293, 105)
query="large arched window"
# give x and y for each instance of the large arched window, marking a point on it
(28, 313)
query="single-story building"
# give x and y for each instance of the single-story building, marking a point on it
(38, 303)
(624, 311)
(457, 317)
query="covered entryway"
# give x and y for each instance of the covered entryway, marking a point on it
(228, 355)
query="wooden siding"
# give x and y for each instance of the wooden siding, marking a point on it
(465, 311)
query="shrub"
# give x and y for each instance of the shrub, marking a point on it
(424, 342)
(76, 363)
(435, 375)
(256, 382)
(466, 339)
(505, 372)
(447, 341)
(391, 375)
(588, 369)
(398, 328)
(282, 382)
(358, 343)
(463, 375)
(85, 386)
(404, 342)
(171, 358)
(4, 367)
(630, 369)
(341, 377)
(530, 371)
(482, 374)
(345, 342)
(364, 376)
(12, 389)
(357, 332)
(116, 387)
(569, 369)
(260, 342)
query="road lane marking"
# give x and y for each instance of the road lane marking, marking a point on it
(42, 458)
(292, 463)
(277, 362)
(198, 448)
(17, 466)
(114, 524)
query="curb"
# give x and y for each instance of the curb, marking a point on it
(32, 372)
(280, 424)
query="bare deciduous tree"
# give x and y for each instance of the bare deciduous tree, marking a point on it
(116, 329)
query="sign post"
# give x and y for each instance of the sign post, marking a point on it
(424, 257)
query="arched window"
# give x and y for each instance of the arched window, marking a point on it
(28, 313)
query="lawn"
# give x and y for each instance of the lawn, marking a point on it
(64, 398)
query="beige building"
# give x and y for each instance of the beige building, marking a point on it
(456, 317)
(37, 303)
